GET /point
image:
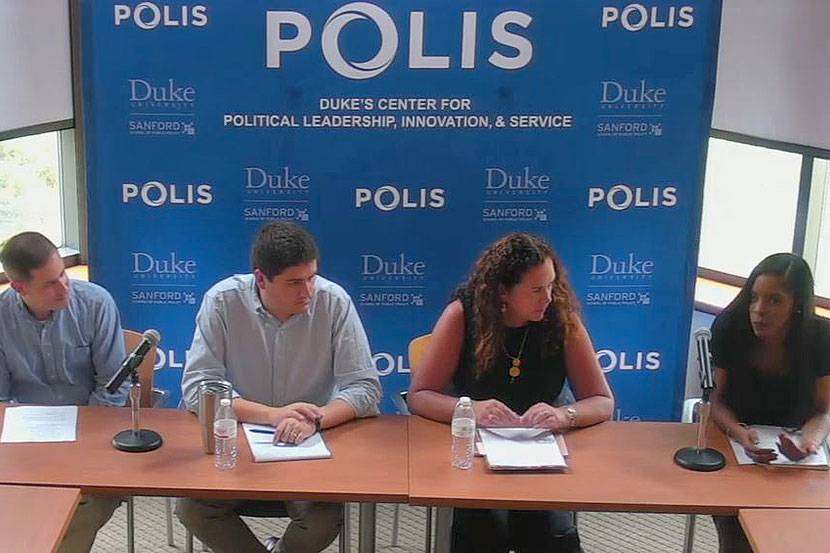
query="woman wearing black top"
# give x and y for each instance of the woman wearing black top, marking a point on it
(772, 360)
(508, 340)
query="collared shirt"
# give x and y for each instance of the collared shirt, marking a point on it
(67, 359)
(313, 357)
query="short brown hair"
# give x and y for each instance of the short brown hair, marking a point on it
(25, 252)
(280, 245)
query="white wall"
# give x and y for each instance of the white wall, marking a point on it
(35, 67)
(774, 70)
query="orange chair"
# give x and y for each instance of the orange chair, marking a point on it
(417, 349)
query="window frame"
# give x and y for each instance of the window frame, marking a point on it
(68, 192)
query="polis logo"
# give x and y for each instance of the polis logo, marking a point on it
(390, 198)
(636, 17)
(622, 196)
(169, 266)
(149, 15)
(167, 359)
(617, 95)
(374, 266)
(501, 181)
(282, 180)
(170, 93)
(388, 363)
(610, 360)
(629, 267)
(156, 194)
(291, 31)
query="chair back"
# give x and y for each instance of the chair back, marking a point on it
(417, 348)
(146, 370)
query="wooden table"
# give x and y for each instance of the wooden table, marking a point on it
(368, 464)
(35, 519)
(614, 466)
(786, 530)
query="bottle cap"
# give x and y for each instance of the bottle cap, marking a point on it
(464, 400)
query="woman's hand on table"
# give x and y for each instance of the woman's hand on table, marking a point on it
(492, 412)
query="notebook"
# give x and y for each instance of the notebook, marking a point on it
(768, 439)
(260, 440)
(514, 448)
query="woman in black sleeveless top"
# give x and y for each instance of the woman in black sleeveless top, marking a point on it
(772, 366)
(509, 340)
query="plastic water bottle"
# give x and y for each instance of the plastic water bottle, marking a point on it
(463, 434)
(225, 436)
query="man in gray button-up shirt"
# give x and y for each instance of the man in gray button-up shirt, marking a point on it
(60, 342)
(294, 349)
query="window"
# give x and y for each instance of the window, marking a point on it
(30, 186)
(749, 205)
(37, 188)
(761, 197)
(39, 54)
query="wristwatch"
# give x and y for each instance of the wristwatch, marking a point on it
(571, 416)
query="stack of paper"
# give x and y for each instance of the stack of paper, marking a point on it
(261, 440)
(521, 449)
(768, 438)
(40, 424)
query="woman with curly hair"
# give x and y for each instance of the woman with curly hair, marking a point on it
(771, 354)
(509, 340)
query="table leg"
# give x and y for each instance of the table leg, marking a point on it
(428, 532)
(366, 532)
(443, 529)
(345, 541)
(689, 536)
(130, 525)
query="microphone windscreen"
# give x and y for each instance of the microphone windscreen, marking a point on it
(701, 333)
(153, 336)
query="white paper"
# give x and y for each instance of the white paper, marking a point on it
(768, 436)
(560, 441)
(521, 449)
(40, 424)
(264, 450)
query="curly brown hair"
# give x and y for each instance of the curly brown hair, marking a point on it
(502, 266)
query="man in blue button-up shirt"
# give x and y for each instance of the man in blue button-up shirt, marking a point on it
(60, 342)
(294, 349)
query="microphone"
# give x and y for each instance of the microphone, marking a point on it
(700, 457)
(136, 439)
(151, 338)
(704, 361)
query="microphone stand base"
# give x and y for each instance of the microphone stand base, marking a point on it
(701, 460)
(137, 442)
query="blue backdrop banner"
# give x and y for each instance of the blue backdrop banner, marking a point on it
(406, 136)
